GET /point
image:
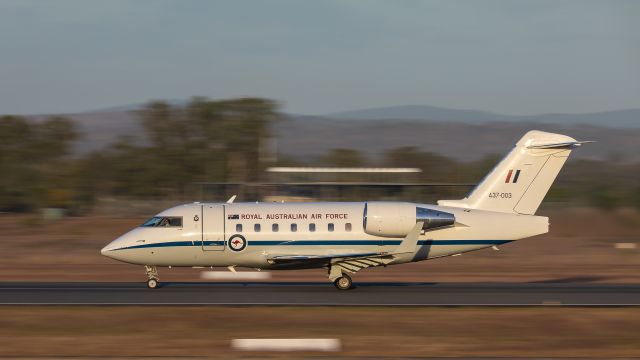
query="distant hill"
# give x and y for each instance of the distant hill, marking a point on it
(305, 137)
(619, 118)
(462, 134)
(418, 112)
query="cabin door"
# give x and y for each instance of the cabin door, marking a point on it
(213, 227)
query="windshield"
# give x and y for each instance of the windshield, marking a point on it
(163, 221)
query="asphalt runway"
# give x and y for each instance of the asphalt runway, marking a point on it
(309, 294)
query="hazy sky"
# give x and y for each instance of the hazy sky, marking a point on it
(516, 57)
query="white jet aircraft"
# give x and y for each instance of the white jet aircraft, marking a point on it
(345, 237)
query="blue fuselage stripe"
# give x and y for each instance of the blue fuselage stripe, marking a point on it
(318, 242)
(175, 243)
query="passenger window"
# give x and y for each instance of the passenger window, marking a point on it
(347, 227)
(238, 227)
(294, 227)
(256, 228)
(330, 227)
(274, 227)
(312, 227)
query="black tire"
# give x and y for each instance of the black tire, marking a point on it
(343, 283)
(153, 283)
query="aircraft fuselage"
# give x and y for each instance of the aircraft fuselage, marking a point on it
(250, 234)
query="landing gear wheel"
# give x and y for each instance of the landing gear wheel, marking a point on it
(343, 282)
(152, 275)
(152, 283)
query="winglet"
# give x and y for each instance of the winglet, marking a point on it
(408, 245)
(231, 199)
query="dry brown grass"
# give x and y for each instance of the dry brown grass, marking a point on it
(364, 332)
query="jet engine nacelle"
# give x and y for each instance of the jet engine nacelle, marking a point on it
(397, 219)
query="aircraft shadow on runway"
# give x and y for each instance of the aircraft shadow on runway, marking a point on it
(293, 284)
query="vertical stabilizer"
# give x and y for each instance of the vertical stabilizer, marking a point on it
(520, 181)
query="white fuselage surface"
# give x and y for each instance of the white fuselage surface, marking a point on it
(323, 229)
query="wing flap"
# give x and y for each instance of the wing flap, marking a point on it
(290, 258)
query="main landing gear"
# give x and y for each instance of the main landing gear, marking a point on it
(340, 280)
(344, 282)
(152, 274)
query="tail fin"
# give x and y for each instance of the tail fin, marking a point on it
(520, 181)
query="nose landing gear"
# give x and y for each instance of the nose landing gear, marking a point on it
(152, 274)
(152, 283)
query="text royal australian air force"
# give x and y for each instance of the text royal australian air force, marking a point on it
(289, 216)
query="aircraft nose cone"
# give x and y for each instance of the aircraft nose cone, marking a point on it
(108, 250)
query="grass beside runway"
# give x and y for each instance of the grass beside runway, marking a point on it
(102, 331)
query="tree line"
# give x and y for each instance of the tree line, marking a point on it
(224, 141)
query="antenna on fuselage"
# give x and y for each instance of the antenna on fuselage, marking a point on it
(231, 199)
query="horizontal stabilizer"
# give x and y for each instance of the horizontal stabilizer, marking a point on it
(560, 145)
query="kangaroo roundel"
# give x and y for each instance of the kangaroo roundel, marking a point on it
(237, 243)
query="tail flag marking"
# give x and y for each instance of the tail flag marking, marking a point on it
(515, 177)
(508, 176)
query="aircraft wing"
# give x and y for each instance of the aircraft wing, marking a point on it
(353, 262)
(349, 262)
(293, 258)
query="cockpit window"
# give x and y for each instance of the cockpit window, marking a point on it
(164, 221)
